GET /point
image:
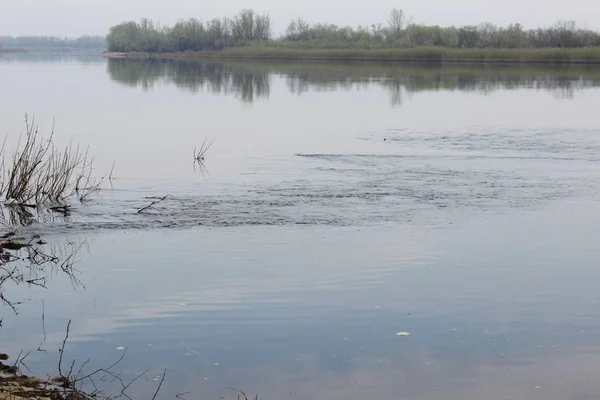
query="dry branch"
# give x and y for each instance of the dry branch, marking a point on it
(62, 350)
(152, 204)
(160, 384)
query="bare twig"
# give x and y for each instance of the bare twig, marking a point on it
(239, 392)
(200, 153)
(81, 369)
(107, 369)
(70, 373)
(111, 177)
(131, 382)
(152, 204)
(20, 360)
(62, 350)
(43, 328)
(159, 384)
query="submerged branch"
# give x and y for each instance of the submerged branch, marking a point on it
(160, 384)
(152, 204)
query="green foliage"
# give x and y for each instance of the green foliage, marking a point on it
(190, 35)
(402, 32)
(285, 50)
(249, 28)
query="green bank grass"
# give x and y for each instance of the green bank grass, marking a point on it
(587, 55)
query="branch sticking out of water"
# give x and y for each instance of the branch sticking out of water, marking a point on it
(61, 352)
(200, 153)
(141, 210)
(160, 384)
(240, 394)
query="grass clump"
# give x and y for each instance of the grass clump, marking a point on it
(40, 174)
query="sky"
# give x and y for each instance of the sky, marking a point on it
(77, 17)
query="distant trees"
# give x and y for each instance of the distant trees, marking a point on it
(190, 35)
(248, 27)
(131, 36)
(298, 29)
(55, 42)
(401, 31)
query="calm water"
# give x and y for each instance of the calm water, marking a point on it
(340, 204)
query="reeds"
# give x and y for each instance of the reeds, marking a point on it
(285, 51)
(41, 174)
(200, 153)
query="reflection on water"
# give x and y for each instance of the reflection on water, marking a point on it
(83, 57)
(29, 261)
(26, 216)
(193, 76)
(251, 80)
(251, 307)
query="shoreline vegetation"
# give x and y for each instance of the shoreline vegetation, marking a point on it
(26, 44)
(37, 181)
(41, 175)
(249, 35)
(410, 55)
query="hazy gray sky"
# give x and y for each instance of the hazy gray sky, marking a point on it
(75, 17)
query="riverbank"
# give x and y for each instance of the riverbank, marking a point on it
(20, 387)
(589, 55)
(16, 386)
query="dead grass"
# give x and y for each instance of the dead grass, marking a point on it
(40, 174)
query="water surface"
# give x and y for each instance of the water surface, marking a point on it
(340, 204)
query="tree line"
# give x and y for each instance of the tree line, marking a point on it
(249, 27)
(190, 35)
(82, 42)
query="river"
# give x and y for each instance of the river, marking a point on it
(338, 206)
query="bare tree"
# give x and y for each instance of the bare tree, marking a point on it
(262, 27)
(397, 22)
(243, 26)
